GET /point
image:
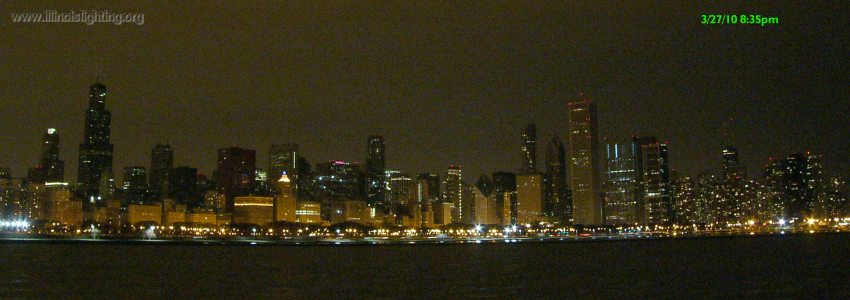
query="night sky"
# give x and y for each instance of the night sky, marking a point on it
(444, 83)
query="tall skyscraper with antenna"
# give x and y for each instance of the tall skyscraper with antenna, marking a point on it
(96, 149)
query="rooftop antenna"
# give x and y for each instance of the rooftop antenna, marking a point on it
(99, 72)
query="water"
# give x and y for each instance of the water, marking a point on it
(811, 265)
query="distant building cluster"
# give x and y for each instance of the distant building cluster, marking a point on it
(613, 184)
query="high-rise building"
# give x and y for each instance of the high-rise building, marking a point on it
(135, 178)
(135, 187)
(285, 202)
(96, 149)
(529, 193)
(429, 187)
(657, 201)
(236, 170)
(620, 185)
(733, 171)
(286, 158)
(50, 168)
(584, 162)
(454, 191)
(504, 190)
(162, 161)
(485, 203)
(183, 187)
(402, 191)
(556, 198)
(338, 179)
(529, 149)
(375, 167)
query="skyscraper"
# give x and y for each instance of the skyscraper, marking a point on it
(430, 183)
(283, 158)
(556, 200)
(529, 191)
(620, 185)
(454, 191)
(504, 187)
(135, 178)
(96, 149)
(284, 202)
(733, 171)
(162, 161)
(655, 167)
(375, 167)
(50, 168)
(529, 149)
(584, 162)
(338, 179)
(183, 187)
(236, 170)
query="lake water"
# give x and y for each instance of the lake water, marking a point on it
(792, 266)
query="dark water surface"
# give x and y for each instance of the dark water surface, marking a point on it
(793, 266)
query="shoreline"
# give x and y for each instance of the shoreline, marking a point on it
(396, 241)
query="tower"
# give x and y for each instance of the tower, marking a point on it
(556, 200)
(584, 162)
(96, 149)
(236, 170)
(529, 149)
(50, 167)
(375, 167)
(162, 161)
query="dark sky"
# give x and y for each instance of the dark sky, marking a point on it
(444, 83)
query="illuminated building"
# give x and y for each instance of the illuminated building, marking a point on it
(688, 209)
(134, 189)
(283, 158)
(172, 217)
(60, 208)
(50, 168)
(484, 203)
(348, 211)
(135, 178)
(96, 149)
(338, 179)
(443, 213)
(309, 212)
(285, 200)
(402, 191)
(504, 189)
(621, 205)
(529, 193)
(584, 162)
(375, 167)
(657, 202)
(144, 213)
(236, 168)
(34, 201)
(732, 170)
(529, 149)
(454, 191)
(113, 212)
(215, 200)
(557, 202)
(253, 210)
(429, 187)
(202, 218)
(162, 161)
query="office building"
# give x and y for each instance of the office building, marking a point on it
(236, 171)
(584, 162)
(96, 149)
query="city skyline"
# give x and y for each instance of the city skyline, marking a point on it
(399, 83)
